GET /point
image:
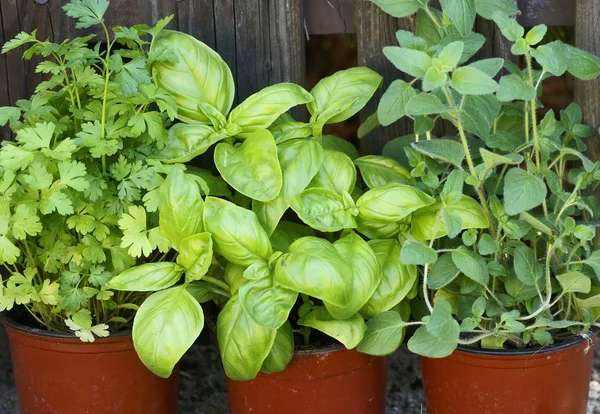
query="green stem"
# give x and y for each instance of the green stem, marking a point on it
(544, 306)
(306, 331)
(433, 18)
(218, 283)
(475, 339)
(105, 96)
(425, 291)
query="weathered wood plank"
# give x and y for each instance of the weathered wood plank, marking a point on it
(377, 29)
(587, 37)
(197, 18)
(330, 16)
(548, 12)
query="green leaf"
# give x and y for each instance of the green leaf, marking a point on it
(131, 75)
(195, 255)
(392, 202)
(470, 81)
(415, 253)
(528, 270)
(333, 143)
(442, 149)
(487, 245)
(236, 232)
(25, 222)
(337, 173)
(512, 30)
(410, 40)
(536, 34)
(147, 277)
(300, 161)
(384, 334)
(581, 64)
(413, 62)
(180, 207)
(451, 54)
(252, 168)
(378, 171)
(9, 114)
(314, 267)
(365, 270)
(198, 74)
(261, 109)
(135, 234)
(434, 79)
(324, 210)
(187, 141)
(553, 57)
(522, 191)
(244, 344)
(452, 221)
(8, 251)
(266, 303)
(165, 327)
(491, 159)
(594, 262)
(343, 94)
(399, 8)
(490, 67)
(19, 40)
(520, 48)
(425, 104)
(574, 282)
(462, 13)
(349, 331)
(471, 264)
(397, 278)
(442, 272)
(281, 352)
(392, 105)
(486, 8)
(87, 12)
(439, 337)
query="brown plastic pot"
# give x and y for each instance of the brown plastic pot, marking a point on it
(551, 380)
(324, 381)
(59, 374)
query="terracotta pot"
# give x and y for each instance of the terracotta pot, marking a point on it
(551, 380)
(325, 381)
(59, 374)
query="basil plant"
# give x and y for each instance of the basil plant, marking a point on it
(506, 248)
(281, 255)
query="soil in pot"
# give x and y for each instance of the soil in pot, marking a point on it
(57, 373)
(552, 380)
(319, 381)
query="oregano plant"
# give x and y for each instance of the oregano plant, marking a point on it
(506, 247)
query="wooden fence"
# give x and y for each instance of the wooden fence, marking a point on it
(263, 41)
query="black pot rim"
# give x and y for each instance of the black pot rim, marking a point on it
(315, 350)
(567, 343)
(5, 319)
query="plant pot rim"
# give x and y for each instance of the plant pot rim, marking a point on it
(567, 343)
(5, 319)
(315, 350)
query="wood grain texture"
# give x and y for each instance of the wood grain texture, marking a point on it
(375, 30)
(261, 40)
(587, 37)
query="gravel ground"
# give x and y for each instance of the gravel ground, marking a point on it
(202, 383)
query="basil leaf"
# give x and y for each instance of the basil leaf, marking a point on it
(266, 303)
(349, 331)
(261, 109)
(392, 202)
(324, 210)
(252, 168)
(207, 80)
(378, 171)
(281, 352)
(165, 327)
(397, 279)
(337, 173)
(147, 277)
(195, 255)
(187, 141)
(236, 232)
(244, 344)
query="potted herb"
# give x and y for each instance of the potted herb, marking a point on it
(78, 162)
(510, 271)
(277, 284)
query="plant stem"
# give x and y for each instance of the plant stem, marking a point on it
(105, 96)
(476, 339)
(465, 144)
(544, 306)
(218, 283)
(425, 291)
(306, 329)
